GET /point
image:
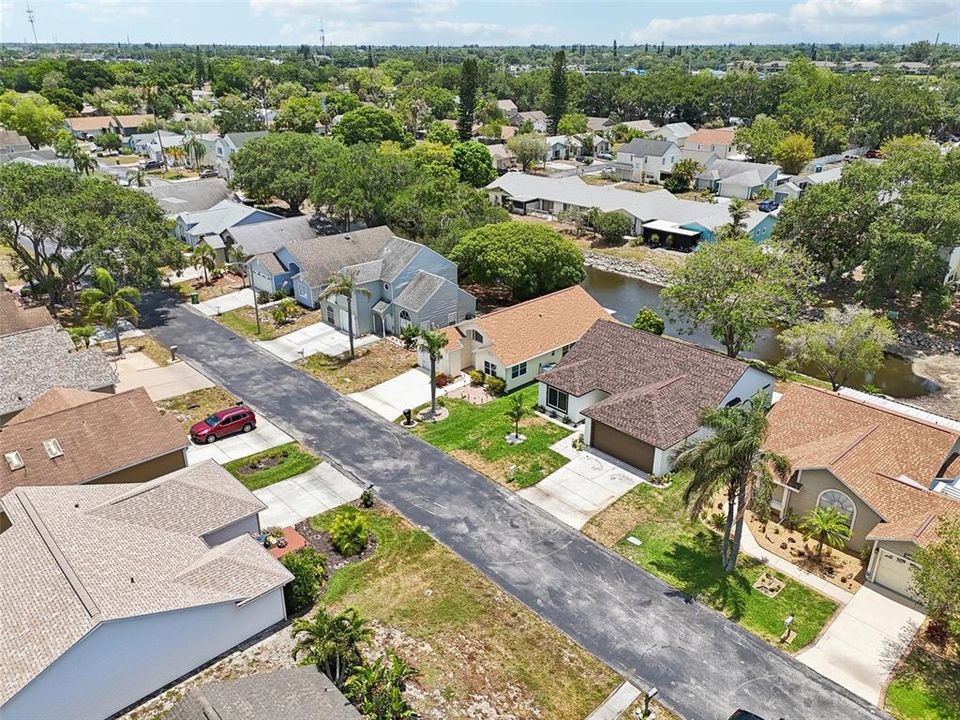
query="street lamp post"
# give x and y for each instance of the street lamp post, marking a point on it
(256, 305)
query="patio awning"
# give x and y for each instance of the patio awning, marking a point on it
(669, 227)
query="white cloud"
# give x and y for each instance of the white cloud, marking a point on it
(708, 29)
(109, 10)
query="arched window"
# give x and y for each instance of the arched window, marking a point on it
(404, 315)
(841, 501)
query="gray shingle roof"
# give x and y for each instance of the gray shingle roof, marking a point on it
(34, 361)
(239, 139)
(78, 556)
(268, 237)
(647, 148)
(419, 290)
(319, 259)
(656, 386)
(225, 214)
(191, 196)
(730, 169)
(302, 693)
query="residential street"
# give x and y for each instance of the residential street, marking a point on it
(704, 666)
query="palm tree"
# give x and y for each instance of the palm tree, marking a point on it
(195, 150)
(432, 342)
(731, 459)
(108, 304)
(828, 525)
(239, 258)
(83, 162)
(259, 87)
(377, 689)
(205, 257)
(345, 283)
(176, 154)
(332, 643)
(516, 412)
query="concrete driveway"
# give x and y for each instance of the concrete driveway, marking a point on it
(863, 643)
(265, 436)
(316, 338)
(137, 370)
(230, 301)
(319, 489)
(581, 488)
(389, 399)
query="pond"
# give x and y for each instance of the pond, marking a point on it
(625, 295)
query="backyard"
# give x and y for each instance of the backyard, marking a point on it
(926, 685)
(480, 653)
(373, 365)
(192, 407)
(685, 554)
(475, 435)
(271, 466)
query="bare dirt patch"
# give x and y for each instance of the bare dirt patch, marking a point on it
(945, 371)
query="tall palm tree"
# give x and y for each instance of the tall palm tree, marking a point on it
(259, 87)
(345, 283)
(432, 342)
(204, 256)
(108, 304)
(239, 258)
(332, 643)
(731, 459)
(195, 150)
(828, 525)
(177, 154)
(83, 162)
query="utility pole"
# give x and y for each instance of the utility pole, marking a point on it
(33, 25)
(256, 305)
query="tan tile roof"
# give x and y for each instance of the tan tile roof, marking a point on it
(657, 386)
(528, 329)
(99, 433)
(78, 556)
(15, 318)
(885, 458)
(97, 122)
(132, 121)
(715, 136)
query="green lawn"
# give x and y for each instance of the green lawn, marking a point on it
(925, 687)
(473, 644)
(475, 435)
(291, 460)
(686, 555)
(243, 322)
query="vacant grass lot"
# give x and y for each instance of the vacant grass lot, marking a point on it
(475, 435)
(926, 686)
(475, 646)
(686, 555)
(271, 466)
(373, 365)
(243, 321)
(196, 405)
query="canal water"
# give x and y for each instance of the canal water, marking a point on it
(626, 295)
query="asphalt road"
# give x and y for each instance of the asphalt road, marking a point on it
(704, 666)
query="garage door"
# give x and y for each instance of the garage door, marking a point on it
(896, 573)
(621, 446)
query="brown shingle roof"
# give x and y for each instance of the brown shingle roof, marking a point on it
(886, 459)
(14, 318)
(98, 122)
(528, 329)
(715, 136)
(132, 121)
(98, 433)
(657, 386)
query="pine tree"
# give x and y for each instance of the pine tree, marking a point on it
(614, 48)
(198, 69)
(468, 98)
(558, 89)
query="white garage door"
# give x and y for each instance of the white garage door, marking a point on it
(895, 572)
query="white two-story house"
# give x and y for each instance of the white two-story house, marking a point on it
(643, 160)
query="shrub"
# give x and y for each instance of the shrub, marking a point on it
(279, 295)
(349, 531)
(717, 521)
(409, 335)
(495, 386)
(309, 570)
(366, 499)
(263, 297)
(648, 320)
(476, 377)
(442, 380)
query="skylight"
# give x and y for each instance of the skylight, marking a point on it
(14, 460)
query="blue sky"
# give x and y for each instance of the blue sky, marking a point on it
(502, 22)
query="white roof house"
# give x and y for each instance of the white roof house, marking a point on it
(109, 592)
(193, 226)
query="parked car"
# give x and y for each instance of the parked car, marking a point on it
(208, 173)
(151, 165)
(222, 423)
(604, 156)
(769, 205)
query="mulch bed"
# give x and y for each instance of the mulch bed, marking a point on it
(320, 541)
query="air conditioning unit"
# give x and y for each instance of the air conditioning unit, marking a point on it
(14, 460)
(52, 446)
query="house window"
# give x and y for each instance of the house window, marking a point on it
(477, 337)
(565, 349)
(557, 399)
(518, 370)
(452, 319)
(489, 368)
(734, 402)
(404, 315)
(841, 501)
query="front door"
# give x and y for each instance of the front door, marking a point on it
(330, 317)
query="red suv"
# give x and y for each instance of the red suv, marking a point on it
(239, 418)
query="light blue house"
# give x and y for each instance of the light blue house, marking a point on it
(192, 227)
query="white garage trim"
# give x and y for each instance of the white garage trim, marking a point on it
(895, 572)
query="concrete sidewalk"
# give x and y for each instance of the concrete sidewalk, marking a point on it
(319, 489)
(615, 705)
(225, 303)
(313, 339)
